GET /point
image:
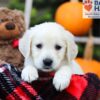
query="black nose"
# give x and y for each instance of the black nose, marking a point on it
(10, 26)
(47, 62)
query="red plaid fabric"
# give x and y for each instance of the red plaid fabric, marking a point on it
(87, 87)
(12, 87)
(82, 87)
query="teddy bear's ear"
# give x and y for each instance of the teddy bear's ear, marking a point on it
(25, 43)
(72, 48)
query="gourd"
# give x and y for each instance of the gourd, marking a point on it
(69, 15)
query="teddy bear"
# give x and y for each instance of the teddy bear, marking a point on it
(12, 27)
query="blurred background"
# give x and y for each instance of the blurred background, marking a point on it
(44, 10)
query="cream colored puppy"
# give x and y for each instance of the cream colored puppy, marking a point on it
(49, 47)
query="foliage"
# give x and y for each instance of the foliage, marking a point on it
(43, 10)
(16, 4)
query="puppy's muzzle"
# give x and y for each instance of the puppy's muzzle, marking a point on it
(47, 63)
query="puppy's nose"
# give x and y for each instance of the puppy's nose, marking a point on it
(10, 26)
(47, 62)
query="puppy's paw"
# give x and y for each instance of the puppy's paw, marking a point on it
(29, 74)
(61, 80)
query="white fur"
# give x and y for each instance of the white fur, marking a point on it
(62, 78)
(29, 73)
(49, 34)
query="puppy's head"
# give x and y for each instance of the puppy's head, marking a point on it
(49, 45)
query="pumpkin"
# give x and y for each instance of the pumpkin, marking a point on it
(69, 15)
(89, 65)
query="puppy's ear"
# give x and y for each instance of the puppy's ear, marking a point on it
(72, 48)
(25, 43)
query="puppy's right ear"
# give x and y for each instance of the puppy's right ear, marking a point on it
(72, 48)
(25, 43)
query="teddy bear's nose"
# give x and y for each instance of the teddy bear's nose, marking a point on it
(10, 26)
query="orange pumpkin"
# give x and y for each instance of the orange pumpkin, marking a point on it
(69, 15)
(89, 65)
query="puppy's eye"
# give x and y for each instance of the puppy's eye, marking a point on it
(58, 47)
(39, 46)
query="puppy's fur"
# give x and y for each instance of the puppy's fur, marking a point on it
(49, 41)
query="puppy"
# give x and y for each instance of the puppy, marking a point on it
(49, 47)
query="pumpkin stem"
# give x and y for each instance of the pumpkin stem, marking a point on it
(88, 53)
(74, 0)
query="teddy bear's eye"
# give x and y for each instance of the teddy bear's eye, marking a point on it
(1, 20)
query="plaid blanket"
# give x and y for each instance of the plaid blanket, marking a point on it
(12, 87)
(82, 87)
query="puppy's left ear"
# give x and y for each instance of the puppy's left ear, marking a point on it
(25, 43)
(72, 48)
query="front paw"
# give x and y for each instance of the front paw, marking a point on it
(29, 74)
(61, 81)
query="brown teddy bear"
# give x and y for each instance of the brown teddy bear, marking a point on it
(12, 27)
